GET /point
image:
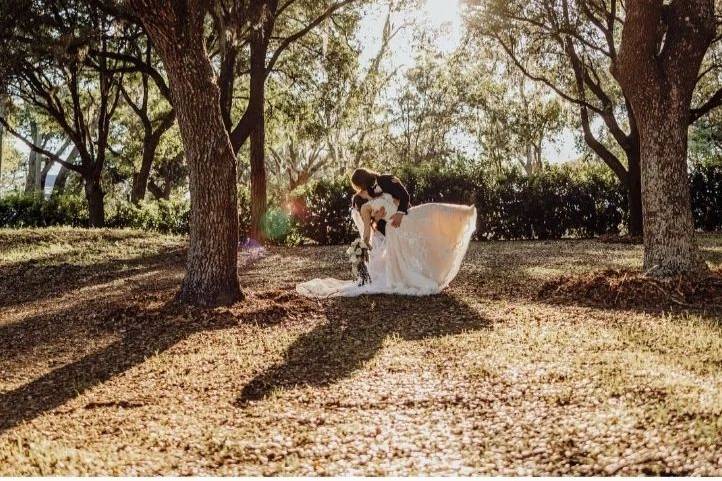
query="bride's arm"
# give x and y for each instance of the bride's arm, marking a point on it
(367, 217)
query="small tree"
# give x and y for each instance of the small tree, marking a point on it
(44, 65)
(139, 97)
(268, 28)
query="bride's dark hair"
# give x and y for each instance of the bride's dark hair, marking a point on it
(357, 201)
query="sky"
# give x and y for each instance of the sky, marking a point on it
(446, 15)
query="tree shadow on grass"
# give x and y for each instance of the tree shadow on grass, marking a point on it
(354, 334)
(150, 332)
(143, 334)
(138, 318)
(33, 281)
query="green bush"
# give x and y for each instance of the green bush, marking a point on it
(560, 201)
(706, 188)
(23, 210)
(167, 216)
(557, 202)
(321, 212)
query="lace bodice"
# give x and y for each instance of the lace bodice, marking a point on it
(385, 201)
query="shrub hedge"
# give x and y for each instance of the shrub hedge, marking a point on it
(23, 210)
(558, 202)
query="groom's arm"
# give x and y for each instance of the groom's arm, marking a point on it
(392, 185)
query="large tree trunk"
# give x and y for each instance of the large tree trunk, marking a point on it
(669, 240)
(634, 196)
(257, 152)
(2, 134)
(212, 277)
(94, 195)
(660, 55)
(177, 32)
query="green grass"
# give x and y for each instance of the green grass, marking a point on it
(101, 373)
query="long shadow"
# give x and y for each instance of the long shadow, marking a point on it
(355, 332)
(146, 333)
(33, 281)
(149, 333)
(123, 315)
(82, 320)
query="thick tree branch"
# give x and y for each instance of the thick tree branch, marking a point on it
(137, 65)
(712, 103)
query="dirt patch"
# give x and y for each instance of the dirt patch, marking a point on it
(620, 239)
(627, 288)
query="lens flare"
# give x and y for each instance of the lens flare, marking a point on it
(276, 224)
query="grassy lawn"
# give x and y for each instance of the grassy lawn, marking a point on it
(101, 374)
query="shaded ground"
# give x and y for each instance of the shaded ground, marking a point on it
(100, 373)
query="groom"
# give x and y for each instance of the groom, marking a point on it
(376, 184)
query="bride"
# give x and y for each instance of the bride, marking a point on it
(420, 257)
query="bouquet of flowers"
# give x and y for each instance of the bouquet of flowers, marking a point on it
(358, 255)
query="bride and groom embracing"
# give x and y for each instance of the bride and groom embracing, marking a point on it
(412, 250)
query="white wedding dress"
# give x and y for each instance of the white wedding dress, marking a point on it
(421, 257)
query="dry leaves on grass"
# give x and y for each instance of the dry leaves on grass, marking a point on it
(102, 373)
(620, 239)
(632, 289)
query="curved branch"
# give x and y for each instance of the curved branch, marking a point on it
(301, 33)
(544, 80)
(712, 103)
(50, 155)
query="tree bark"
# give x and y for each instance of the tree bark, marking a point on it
(634, 196)
(257, 151)
(32, 180)
(669, 240)
(176, 29)
(2, 135)
(634, 175)
(657, 70)
(95, 197)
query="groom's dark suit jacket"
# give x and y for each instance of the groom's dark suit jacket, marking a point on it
(391, 185)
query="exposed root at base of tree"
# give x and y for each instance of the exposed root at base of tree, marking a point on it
(633, 289)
